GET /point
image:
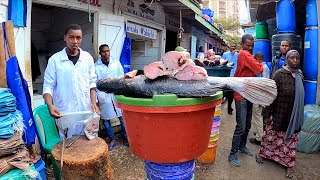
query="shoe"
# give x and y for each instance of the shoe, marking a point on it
(233, 158)
(112, 145)
(246, 151)
(255, 141)
(230, 111)
(126, 143)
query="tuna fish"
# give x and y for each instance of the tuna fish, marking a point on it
(140, 86)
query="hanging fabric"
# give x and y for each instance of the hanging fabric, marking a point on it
(126, 53)
(19, 88)
(17, 12)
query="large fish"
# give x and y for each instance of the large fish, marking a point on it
(260, 91)
(140, 86)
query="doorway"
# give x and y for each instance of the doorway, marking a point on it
(48, 24)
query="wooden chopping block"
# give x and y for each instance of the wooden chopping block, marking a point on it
(3, 62)
(10, 37)
(84, 159)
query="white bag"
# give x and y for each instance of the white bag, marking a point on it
(91, 126)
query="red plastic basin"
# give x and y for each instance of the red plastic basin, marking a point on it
(169, 134)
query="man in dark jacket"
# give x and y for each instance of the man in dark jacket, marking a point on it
(279, 60)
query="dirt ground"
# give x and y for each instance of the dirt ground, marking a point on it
(127, 166)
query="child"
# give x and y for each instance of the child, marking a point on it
(257, 118)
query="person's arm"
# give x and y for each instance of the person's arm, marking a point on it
(267, 111)
(48, 85)
(266, 71)
(93, 80)
(253, 64)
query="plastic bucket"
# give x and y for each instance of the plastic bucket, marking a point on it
(263, 46)
(168, 134)
(262, 30)
(312, 13)
(41, 168)
(286, 16)
(217, 119)
(310, 89)
(209, 155)
(310, 63)
(157, 171)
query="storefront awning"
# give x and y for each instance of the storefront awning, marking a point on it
(191, 12)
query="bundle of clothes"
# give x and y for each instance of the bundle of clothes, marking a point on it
(209, 58)
(13, 153)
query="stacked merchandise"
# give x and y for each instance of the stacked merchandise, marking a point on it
(13, 153)
(262, 44)
(210, 154)
(310, 64)
(207, 14)
(286, 26)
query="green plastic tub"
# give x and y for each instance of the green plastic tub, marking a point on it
(166, 100)
(262, 30)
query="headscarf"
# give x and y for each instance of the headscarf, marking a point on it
(296, 119)
(290, 52)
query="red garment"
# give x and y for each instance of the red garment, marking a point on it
(274, 147)
(247, 67)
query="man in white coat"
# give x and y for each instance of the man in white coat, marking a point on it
(70, 81)
(106, 67)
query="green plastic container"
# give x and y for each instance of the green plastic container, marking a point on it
(218, 71)
(262, 30)
(166, 100)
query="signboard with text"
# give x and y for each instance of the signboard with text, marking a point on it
(141, 30)
(139, 8)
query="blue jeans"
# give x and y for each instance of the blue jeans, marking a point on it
(243, 118)
(110, 132)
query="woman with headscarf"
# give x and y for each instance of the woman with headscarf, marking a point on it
(279, 141)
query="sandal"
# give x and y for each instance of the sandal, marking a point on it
(289, 173)
(112, 145)
(259, 159)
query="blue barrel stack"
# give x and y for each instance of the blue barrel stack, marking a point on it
(263, 46)
(286, 16)
(310, 64)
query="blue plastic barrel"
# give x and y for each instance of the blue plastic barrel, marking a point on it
(310, 88)
(310, 63)
(40, 167)
(286, 16)
(263, 46)
(312, 13)
(179, 171)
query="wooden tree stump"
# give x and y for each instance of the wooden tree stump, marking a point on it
(84, 159)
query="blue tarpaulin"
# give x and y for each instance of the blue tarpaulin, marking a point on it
(19, 88)
(125, 56)
(17, 12)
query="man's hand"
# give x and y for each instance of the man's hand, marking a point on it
(54, 112)
(95, 108)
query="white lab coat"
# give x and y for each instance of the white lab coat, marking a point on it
(69, 85)
(106, 100)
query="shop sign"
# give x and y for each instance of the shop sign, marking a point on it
(141, 30)
(145, 10)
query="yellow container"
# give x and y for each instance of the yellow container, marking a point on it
(209, 155)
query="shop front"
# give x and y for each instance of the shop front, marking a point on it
(145, 25)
